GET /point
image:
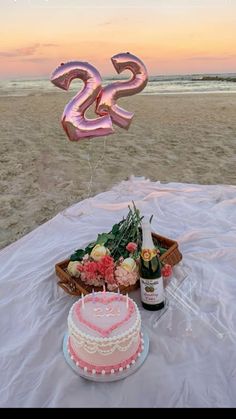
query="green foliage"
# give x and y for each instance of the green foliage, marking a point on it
(104, 238)
(127, 230)
(78, 255)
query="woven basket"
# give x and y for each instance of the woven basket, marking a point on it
(74, 286)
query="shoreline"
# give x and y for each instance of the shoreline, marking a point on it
(38, 92)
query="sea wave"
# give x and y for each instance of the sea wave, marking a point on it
(171, 84)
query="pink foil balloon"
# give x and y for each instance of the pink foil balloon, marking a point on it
(106, 103)
(73, 120)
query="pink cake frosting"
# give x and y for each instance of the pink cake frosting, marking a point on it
(104, 333)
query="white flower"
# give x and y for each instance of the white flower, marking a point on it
(72, 269)
(129, 265)
(98, 252)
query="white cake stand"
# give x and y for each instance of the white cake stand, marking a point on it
(107, 377)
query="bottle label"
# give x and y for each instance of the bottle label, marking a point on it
(148, 254)
(152, 291)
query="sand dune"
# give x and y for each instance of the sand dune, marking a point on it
(182, 138)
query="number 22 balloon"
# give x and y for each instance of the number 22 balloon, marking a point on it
(74, 121)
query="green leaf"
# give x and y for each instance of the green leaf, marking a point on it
(78, 255)
(104, 237)
(91, 245)
(115, 229)
(88, 249)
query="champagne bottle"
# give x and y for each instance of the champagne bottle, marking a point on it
(151, 282)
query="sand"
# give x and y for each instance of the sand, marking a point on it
(182, 138)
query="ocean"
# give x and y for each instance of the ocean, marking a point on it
(181, 84)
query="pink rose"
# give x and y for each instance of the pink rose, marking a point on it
(166, 271)
(131, 247)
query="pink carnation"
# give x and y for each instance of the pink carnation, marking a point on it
(90, 270)
(131, 247)
(109, 275)
(106, 267)
(112, 287)
(106, 262)
(90, 274)
(124, 277)
(166, 271)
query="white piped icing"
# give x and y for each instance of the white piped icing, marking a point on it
(120, 369)
(133, 362)
(93, 371)
(112, 371)
(103, 372)
(100, 348)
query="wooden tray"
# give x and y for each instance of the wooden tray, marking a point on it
(74, 286)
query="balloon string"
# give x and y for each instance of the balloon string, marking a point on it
(93, 167)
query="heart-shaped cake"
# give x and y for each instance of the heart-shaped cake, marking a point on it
(104, 332)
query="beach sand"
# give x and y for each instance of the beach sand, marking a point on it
(187, 138)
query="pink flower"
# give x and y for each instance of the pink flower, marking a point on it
(109, 275)
(112, 287)
(80, 267)
(90, 270)
(131, 247)
(105, 263)
(89, 273)
(106, 268)
(96, 282)
(125, 278)
(166, 271)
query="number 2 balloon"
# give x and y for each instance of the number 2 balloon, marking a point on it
(106, 103)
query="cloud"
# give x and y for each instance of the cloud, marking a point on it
(36, 59)
(21, 52)
(25, 51)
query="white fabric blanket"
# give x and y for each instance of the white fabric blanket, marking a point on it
(194, 368)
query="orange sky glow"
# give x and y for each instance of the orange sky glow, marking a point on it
(170, 36)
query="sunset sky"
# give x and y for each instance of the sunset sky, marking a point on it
(171, 36)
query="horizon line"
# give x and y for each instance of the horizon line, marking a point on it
(45, 77)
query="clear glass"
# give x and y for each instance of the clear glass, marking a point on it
(183, 315)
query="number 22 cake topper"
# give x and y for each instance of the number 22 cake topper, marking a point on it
(76, 125)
